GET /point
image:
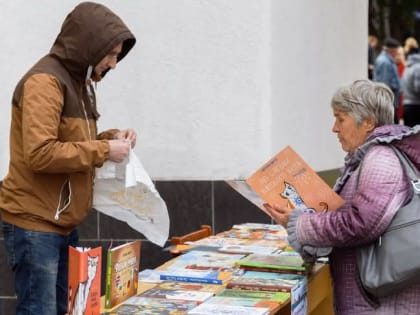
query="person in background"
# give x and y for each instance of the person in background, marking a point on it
(411, 46)
(411, 91)
(372, 43)
(401, 64)
(54, 149)
(386, 70)
(373, 193)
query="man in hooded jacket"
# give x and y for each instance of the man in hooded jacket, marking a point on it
(54, 149)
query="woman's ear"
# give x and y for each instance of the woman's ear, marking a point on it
(369, 124)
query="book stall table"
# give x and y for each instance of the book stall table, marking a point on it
(319, 296)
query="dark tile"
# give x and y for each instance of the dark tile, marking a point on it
(232, 208)
(153, 256)
(7, 287)
(330, 176)
(110, 228)
(189, 204)
(89, 228)
(7, 306)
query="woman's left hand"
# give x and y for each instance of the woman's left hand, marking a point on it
(127, 134)
(278, 213)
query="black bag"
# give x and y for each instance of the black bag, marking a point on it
(392, 262)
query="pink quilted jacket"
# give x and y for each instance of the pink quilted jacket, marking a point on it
(368, 211)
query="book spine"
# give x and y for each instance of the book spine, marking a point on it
(261, 269)
(108, 280)
(190, 279)
(238, 286)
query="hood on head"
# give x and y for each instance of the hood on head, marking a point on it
(87, 35)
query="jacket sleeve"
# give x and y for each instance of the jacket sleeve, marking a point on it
(41, 106)
(367, 213)
(387, 73)
(107, 134)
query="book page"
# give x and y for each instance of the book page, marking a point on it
(288, 181)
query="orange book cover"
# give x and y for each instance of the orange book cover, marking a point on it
(84, 285)
(287, 180)
(122, 269)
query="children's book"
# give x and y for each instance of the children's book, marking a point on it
(279, 297)
(137, 305)
(242, 301)
(198, 276)
(248, 249)
(189, 286)
(205, 260)
(288, 181)
(213, 309)
(299, 298)
(122, 270)
(285, 260)
(268, 282)
(186, 295)
(84, 281)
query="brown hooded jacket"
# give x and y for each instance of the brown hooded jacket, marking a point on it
(54, 146)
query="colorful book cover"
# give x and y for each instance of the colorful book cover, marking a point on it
(272, 306)
(248, 249)
(287, 180)
(299, 298)
(84, 281)
(205, 260)
(189, 286)
(284, 261)
(186, 295)
(284, 285)
(213, 309)
(279, 297)
(271, 275)
(122, 270)
(137, 305)
(274, 270)
(199, 276)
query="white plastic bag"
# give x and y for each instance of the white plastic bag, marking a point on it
(126, 192)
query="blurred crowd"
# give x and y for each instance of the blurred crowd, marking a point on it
(398, 66)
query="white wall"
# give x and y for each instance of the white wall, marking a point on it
(214, 88)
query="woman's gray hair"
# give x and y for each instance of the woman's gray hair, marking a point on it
(364, 99)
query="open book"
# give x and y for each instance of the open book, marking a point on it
(288, 181)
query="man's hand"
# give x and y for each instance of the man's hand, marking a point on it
(128, 135)
(279, 214)
(118, 150)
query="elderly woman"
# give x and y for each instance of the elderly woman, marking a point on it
(363, 114)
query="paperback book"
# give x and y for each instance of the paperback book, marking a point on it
(279, 297)
(213, 309)
(272, 306)
(288, 181)
(122, 270)
(189, 286)
(198, 276)
(84, 280)
(264, 284)
(287, 260)
(137, 305)
(180, 294)
(206, 260)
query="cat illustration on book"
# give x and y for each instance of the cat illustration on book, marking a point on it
(294, 200)
(77, 306)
